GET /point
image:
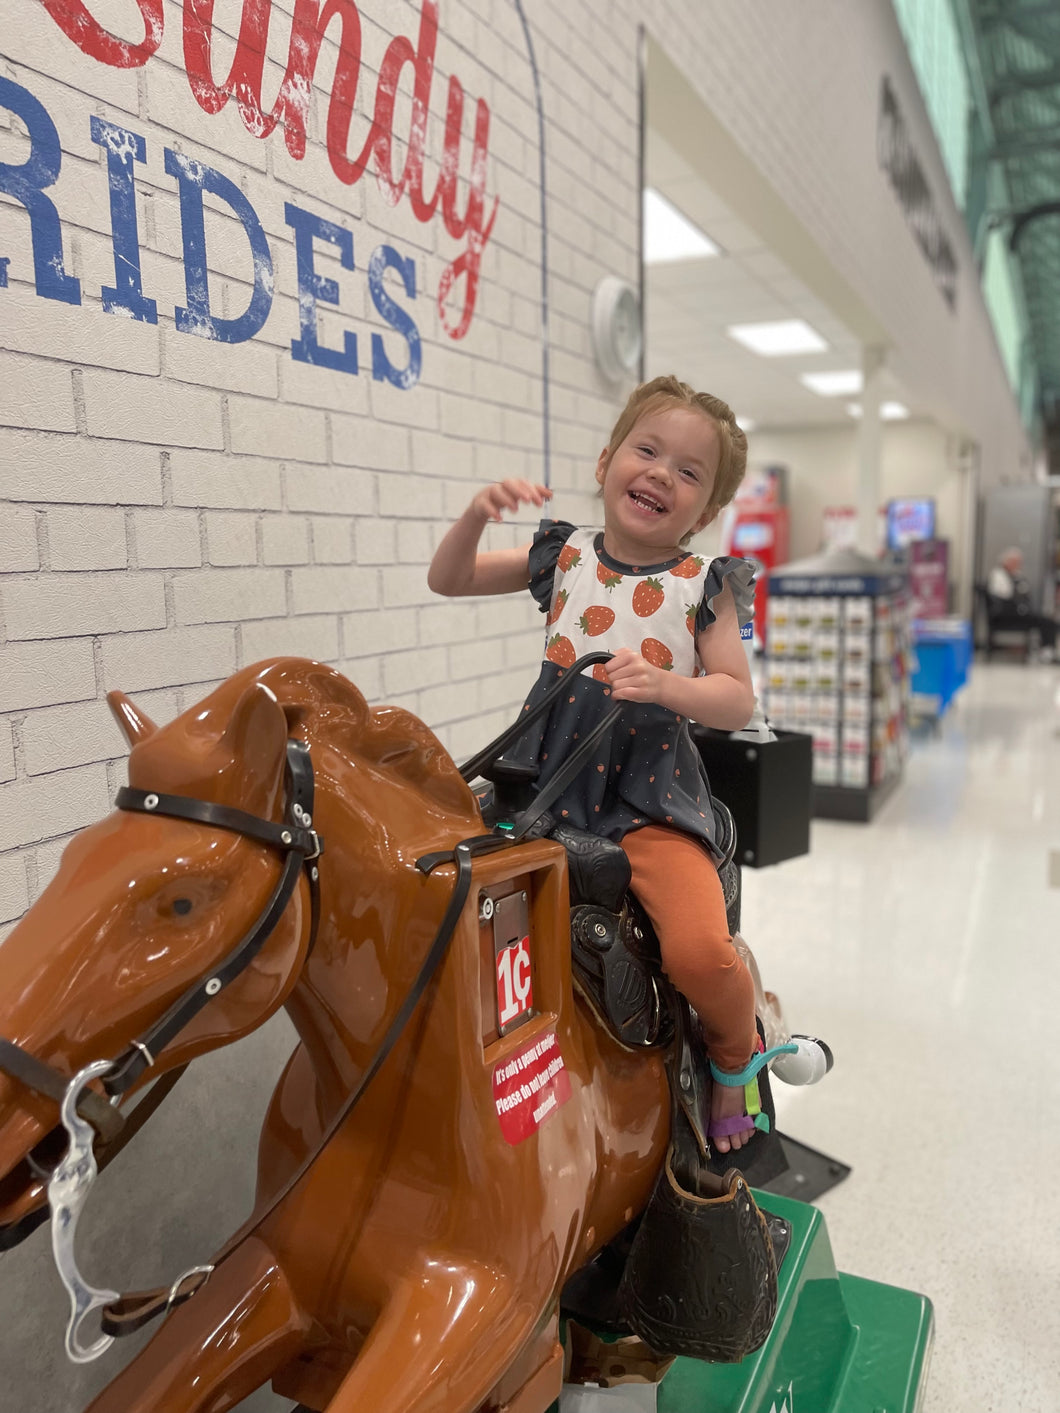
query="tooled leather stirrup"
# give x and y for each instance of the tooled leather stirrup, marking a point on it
(701, 1278)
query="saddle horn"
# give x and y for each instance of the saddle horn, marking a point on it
(135, 724)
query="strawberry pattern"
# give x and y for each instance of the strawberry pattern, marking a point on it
(649, 771)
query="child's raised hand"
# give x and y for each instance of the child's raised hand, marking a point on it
(633, 678)
(508, 495)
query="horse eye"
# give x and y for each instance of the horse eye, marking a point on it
(182, 906)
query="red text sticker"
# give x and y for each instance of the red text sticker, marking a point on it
(529, 1086)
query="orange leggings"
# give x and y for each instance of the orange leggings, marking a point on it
(676, 882)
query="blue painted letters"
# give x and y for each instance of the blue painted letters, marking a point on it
(123, 148)
(195, 178)
(382, 368)
(312, 287)
(26, 183)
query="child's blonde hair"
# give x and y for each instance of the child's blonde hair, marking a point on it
(669, 391)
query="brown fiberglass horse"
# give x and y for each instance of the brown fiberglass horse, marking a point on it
(411, 1260)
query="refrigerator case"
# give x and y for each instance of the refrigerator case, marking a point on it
(760, 534)
(837, 666)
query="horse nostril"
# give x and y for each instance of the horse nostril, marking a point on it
(182, 906)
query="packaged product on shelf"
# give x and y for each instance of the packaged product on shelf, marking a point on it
(802, 675)
(826, 678)
(779, 614)
(856, 678)
(828, 613)
(857, 645)
(857, 614)
(804, 612)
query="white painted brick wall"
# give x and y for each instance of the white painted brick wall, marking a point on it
(176, 507)
(231, 537)
(18, 541)
(61, 605)
(167, 539)
(285, 538)
(7, 751)
(86, 538)
(35, 394)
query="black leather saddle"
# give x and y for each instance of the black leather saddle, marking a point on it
(615, 954)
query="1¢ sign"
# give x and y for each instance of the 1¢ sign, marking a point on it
(515, 994)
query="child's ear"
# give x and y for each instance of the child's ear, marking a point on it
(706, 518)
(601, 466)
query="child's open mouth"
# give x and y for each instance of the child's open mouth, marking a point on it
(646, 502)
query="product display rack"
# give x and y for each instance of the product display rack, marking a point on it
(837, 666)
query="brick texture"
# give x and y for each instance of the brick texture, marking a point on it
(175, 506)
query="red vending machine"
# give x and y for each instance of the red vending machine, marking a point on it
(756, 527)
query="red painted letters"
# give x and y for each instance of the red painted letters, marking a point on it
(244, 83)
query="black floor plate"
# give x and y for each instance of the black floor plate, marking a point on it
(809, 1174)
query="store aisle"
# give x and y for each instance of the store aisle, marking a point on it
(925, 947)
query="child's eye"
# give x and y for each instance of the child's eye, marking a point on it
(647, 450)
(687, 471)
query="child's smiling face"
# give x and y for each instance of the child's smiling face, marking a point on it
(658, 484)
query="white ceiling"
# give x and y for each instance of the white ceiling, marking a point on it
(689, 303)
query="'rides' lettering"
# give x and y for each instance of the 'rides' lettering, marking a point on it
(28, 183)
(244, 83)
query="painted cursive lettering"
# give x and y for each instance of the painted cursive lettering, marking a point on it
(244, 82)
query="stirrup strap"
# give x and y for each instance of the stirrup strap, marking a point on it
(750, 1070)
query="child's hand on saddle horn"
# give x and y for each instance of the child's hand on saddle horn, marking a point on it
(633, 678)
(508, 495)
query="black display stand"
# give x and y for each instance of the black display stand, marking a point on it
(832, 802)
(767, 786)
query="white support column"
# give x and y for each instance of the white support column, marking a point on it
(869, 449)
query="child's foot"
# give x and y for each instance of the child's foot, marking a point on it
(730, 1126)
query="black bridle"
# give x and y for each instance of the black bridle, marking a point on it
(300, 845)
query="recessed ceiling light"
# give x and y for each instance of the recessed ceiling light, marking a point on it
(838, 384)
(668, 235)
(889, 411)
(776, 339)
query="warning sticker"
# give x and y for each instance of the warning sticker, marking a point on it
(530, 1085)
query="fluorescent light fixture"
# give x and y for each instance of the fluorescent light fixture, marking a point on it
(838, 384)
(746, 424)
(777, 339)
(889, 411)
(668, 235)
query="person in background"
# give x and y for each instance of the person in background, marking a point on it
(1009, 600)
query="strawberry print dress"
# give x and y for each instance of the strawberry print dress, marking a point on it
(647, 771)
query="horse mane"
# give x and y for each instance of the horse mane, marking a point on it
(322, 702)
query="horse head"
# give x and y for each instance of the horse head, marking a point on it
(145, 905)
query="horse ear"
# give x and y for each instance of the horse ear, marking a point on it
(257, 731)
(135, 724)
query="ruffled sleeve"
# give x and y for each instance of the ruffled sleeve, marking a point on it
(550, 538)
(740, 576)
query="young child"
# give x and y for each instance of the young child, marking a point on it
(672, 624)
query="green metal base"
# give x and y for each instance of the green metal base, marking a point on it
(840, 1343)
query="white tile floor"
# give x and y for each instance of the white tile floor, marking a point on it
(925, 947)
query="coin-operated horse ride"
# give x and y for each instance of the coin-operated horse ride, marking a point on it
(463, 1137)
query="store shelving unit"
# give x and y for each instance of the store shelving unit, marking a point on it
(837, 666)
